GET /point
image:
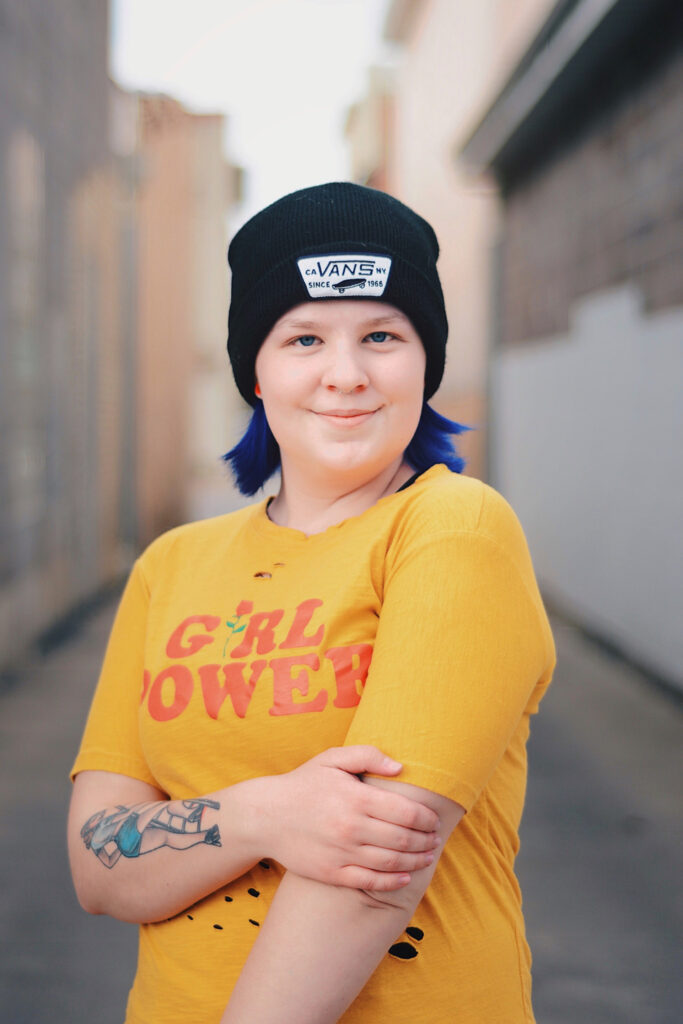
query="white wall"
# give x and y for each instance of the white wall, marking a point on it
(587, 439)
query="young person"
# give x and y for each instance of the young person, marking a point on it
(304, 767)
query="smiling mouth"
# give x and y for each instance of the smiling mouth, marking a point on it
(347, 417)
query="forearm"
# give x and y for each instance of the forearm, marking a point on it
(317, 948)
(165, 855)
(320, 943)
(142, 858)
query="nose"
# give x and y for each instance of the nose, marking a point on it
(344, 369)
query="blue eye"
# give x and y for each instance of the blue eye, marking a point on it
(379, 336)
(306, 340)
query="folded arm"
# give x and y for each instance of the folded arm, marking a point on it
(138, 856)
(320, 943)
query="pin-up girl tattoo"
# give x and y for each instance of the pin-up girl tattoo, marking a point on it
(141, 828)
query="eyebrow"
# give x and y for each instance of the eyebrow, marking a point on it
(308, 325)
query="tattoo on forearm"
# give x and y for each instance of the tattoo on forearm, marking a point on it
(141, 828)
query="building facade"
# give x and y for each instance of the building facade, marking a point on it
(61, 364)
(401, 139)
(583, 137)
(186, 400)
(542, 140)
(115, 394)
(369, 131)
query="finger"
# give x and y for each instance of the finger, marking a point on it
(360, 759)
(355, 877)
(393, 837)
(400, 810)
(390, 861)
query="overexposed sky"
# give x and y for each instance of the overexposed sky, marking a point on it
(283, 71)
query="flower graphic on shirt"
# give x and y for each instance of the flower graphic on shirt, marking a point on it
(233, 624)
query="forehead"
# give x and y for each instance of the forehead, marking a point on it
(333, 312)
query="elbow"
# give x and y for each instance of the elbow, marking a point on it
(85, 882)
(97, 896)
(91, 908)
(93, 901)
(122, 906)
(87, 899)
(87, 887)
(91, 904)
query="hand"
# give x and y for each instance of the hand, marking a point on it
(325, 823)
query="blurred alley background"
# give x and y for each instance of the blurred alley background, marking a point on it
(543, 139)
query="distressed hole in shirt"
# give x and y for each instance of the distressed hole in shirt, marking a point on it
(256, 923)
(415, 933)
(403, 951)
(253, 892)
(263, 575)
(228, 899)
(190, 917)
(218, 927)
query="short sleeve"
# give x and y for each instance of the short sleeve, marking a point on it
(462, 651)
(111, 739)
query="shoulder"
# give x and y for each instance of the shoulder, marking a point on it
(445, 502)
(187, 544)
(459, 531)
(446, 506)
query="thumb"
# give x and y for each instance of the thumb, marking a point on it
(359, 759)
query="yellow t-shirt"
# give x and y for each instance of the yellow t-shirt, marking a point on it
(242, 648)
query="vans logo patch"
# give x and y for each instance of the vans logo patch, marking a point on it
(346, 274)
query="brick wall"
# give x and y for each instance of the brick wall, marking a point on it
(604, 204)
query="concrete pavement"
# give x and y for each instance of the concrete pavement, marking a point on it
(600, 862)
(601, 855)
(58, 965)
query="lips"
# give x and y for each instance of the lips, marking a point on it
(345, 412)
(346, 417)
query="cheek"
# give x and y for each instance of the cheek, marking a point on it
(284, 405)
(407, 381)
(283, 379)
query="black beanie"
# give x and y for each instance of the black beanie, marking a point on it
(326, 242)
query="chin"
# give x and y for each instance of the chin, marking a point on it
(346, 462)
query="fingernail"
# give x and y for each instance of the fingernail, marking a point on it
(404, 879)
(429, 857)
(390, 763)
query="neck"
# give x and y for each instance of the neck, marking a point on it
(311, 506)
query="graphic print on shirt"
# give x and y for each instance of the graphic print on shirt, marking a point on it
(234, 624)
(255, 651)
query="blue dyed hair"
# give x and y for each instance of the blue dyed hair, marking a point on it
(256, 456)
